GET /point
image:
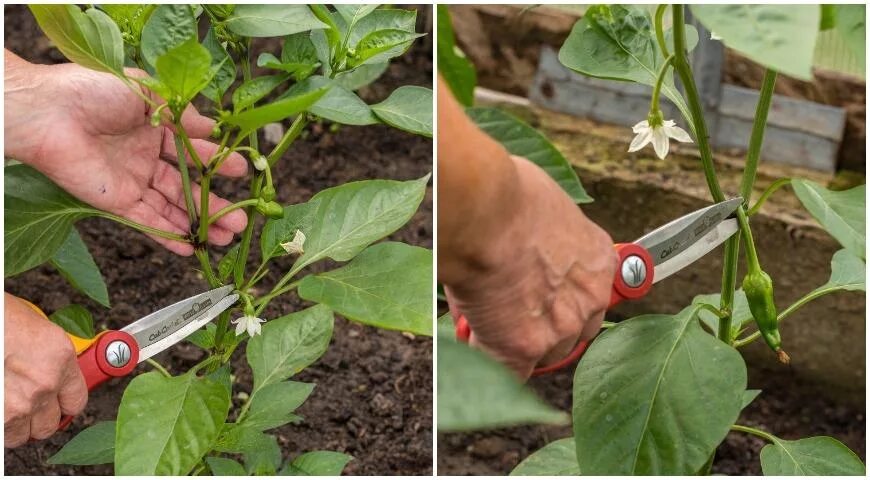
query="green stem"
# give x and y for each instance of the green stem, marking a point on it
(711, 309)
(754, 431)
(229, 208)
(158, 367)
(654, 102)
(757, 137)
(204, 261)
(729, 278)
(187, 144)
(185, 176)
(221, 325)
(262, 302)
(289, 137)
(660, 32)
(766, 194)
(145, 228)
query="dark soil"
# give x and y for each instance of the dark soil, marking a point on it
(373, 398)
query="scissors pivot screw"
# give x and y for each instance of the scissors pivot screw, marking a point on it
(633, 271)
(118, 353)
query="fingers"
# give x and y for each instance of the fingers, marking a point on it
(16, 432)
(235, 164)
(196, 125)
(146, 215)
(45, 420)
(73, 395)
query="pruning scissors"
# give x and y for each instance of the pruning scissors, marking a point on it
(115, 353)
(650, 259)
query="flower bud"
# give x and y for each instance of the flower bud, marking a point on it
(260, 162)
(270, 209)
(267, 193)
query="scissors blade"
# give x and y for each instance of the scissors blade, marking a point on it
(676, 237)
(166, 327)
(702, 246)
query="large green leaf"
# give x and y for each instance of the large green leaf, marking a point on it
(388, 285)
(353, 13)
(221, 61)
(781, 37)
(273, 405)
(339, 104)
(456, 70)
(810, 456)
(851, 25)
(94, 445)
(555, 458)
(90, 39)
(74, 319)
(252, 91)
(373, 45)
(340, 222)
(408, 108)
(476, 392)
(272, 20)
(37, 218)
(524, 141)
(848, 272)
(619, 43)
(317, 464)
(298, 57)
(166, 424)
(169, 26)
(252, 119)
(130, 19)
(361, 76)
(261, 451)
(185, 69)
(740, 314)
(75, 263)
(383, 19)
(289, 344)
(225, 467)
(655, 395)
(842, 214)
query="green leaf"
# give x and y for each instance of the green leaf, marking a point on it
(338, 104)
(840, 213)
(222, 63)
(848, 272)
(748, 397)
(74, 319)
(851, 25)
(555, 458)
(185, 69)
(388, 285)
(359, 214)
(619, 43)
(272, 20)
(94, 445)
(810, 456)
(384, 19)
(298, 48)
(289, 344)
(250, 92)
(444, 327)
(828, 17)
(227, 262)
(166, 425)
(361, 76)
(456, 70)
(37, 218)
(740, 314)
(781, 37)
(90, 39)
(655, 395)
(476, 392)
(273, 405)
(353, 13)
(320, 463)
(252, 119)
(77, 266)
(524, 141)
(225, 467)
(261, 451)
(204, 337)
(372, 46)
(408, 108)
(169, 26)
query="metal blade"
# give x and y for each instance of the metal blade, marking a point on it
(669, 240)
(167, 326)
(699, 248)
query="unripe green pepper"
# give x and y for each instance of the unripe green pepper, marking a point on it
(759, 292)
(270, 209)
(267, 193)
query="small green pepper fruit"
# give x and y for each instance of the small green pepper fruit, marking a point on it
(759, 292)
(270, 209)
(267, 193)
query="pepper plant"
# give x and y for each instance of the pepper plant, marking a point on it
(657, 394)
(185, 423)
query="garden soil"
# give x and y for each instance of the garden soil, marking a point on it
(373, 394)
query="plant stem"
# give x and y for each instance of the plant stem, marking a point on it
(766, 194)
(185, 176)
(729, 277)
(158, 367)
(205, 262)
(660, 31)
(289, 137)
(278, 290)
(654, 101)
(754, 431)
(145, 228)
(223, 321)
(229, 208)
(757, 137)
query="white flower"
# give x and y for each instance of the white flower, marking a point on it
(260, 162)
(713, 36)
(295, 246)
(249, 323)
(658, 135)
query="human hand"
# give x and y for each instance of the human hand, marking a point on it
(542, 283)
(42, 379)
(91, 135)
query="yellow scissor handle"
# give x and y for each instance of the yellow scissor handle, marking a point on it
(80, 344)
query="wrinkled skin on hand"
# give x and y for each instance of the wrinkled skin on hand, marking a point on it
(42, 379)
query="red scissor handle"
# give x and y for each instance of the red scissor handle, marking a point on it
(633, 279)
(111, 354)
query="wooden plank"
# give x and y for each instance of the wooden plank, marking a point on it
(781, 144)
